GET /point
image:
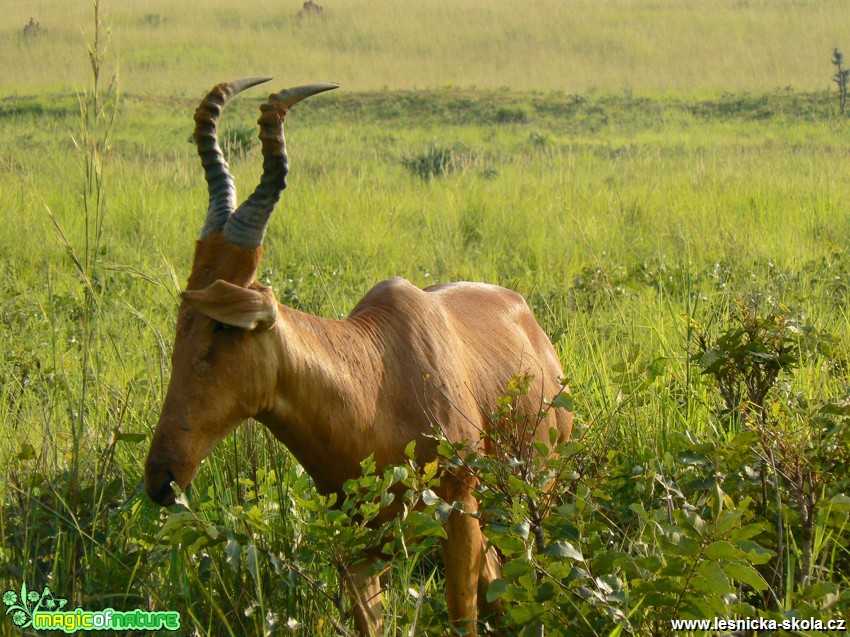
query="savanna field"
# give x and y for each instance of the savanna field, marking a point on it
(667, 185)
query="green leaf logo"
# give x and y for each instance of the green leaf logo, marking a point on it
(23, 607)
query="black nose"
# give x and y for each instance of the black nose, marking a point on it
(158, 486)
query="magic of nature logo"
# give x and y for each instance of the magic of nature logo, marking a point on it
(44, 611)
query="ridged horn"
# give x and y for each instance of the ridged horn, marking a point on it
(247, 226)
(219, 180)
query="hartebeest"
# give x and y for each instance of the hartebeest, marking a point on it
(404, 362)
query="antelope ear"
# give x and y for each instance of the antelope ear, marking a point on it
(246, 308)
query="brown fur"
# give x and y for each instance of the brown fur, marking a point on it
(403, 362)
(218, 258)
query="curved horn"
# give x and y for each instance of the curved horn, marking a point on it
(247, 225)
(219, 180)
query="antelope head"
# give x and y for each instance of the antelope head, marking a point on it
(221, 371)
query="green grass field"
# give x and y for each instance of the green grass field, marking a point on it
(169, 49)
(653, 177)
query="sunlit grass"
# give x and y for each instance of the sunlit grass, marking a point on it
(168, 48)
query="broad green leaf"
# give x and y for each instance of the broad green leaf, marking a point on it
(710, 578)
(251, 562)
(656, 368)
(698, 607)
(658, 600)
(442, 512)
(707, 360)
(744, 440)
(722, 550)
(429, 497)
(177, 521)
(430, 470)
(756, 553)
(692, 458)
(545, 592)
(651, 563)
(608, 561)
(564, 549)
(27, 452)
(367, 465)
(840, 503)
(563, 401)
(541, 448)
(399, 473)
(232, 552)
(130, 437)
(718, 497)
(410, 450)
(746, 574)
(676, 566)
(521, 529)
(818, 590)
(526, 613)
(496, 589)
(726, 521)
(692, 524)
(424, 525)
(747, 532)
(508, 544)
(335, 516)
(516, 568)
(680, 544)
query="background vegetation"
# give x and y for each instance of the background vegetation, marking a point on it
(665, 183)
(581, 46)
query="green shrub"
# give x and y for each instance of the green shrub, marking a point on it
(438, 161)
(237, 140)
(595, 544)
(511, 115)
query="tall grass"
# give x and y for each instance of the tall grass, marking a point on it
(576, 47)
